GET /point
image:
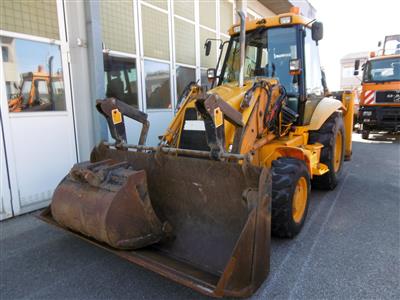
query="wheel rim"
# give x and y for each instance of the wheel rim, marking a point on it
(337, 160)
(299, 200)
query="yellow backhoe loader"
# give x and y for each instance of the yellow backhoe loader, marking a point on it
(236, 164)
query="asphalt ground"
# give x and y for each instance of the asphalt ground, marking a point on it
(348, 249)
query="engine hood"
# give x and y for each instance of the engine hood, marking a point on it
(233, 94)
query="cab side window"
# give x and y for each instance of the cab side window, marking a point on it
(312, 67)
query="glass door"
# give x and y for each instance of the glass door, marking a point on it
(35, 101)
(5, 195)
(37, 117)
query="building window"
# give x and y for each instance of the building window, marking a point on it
(207, 10)
(226, 14)
(184, 76)
(4, 53)
(184, 9)
(157, 81)
(37, 17)
(121, 79)
(35, 80)
(117, 25)
(211, 60)
(185, 42)
(155, 33)
(159, 3)
(347, 72)
(204, 79)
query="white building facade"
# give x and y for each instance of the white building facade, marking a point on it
(348, 81)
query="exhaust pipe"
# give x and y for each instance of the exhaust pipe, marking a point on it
(242, 41)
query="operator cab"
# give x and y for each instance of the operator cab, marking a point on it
(287, 52)
(383, 69)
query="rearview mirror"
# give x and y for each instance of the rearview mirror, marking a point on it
(317, 31)
(356, 67)
(379, 43)
(207, 47)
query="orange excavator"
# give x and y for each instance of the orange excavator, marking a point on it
(35, 92)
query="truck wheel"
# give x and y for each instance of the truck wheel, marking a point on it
(290, 196)
(331, 135)
(365, 134)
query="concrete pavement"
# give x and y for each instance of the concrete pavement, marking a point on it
(349, 247)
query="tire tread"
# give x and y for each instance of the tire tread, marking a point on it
(285, 173)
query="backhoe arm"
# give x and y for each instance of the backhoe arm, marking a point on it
(114, 111)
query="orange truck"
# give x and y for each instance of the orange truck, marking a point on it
(380, 95)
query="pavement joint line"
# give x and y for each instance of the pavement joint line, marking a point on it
(275, 275)
(322, 228)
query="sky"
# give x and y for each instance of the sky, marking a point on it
(31, 54)
(353, 26)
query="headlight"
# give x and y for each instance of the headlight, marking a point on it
(285, 20)
(367, 120)
(367, 113)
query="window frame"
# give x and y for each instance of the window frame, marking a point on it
(313, 60)
(171, 85)
(63, 52)
(302, 97)
(122, 55)
(183, 66)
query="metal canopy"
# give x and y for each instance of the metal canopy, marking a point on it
(277, 6)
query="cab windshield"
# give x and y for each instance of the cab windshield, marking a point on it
(268, 53)
(381, 70)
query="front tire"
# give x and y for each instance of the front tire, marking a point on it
(290, 196)
(331, 135)
(365, 134)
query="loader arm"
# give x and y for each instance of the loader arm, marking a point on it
(149, 206)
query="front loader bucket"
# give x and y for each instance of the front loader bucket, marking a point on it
(207, 222)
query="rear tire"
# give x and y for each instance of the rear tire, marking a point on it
(331, 135)
(290, 196)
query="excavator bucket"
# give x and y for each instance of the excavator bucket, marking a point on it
(200, 222)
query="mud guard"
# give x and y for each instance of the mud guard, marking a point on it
(325, 108)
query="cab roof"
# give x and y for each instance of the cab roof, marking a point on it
(274, 21)
(379, 57)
